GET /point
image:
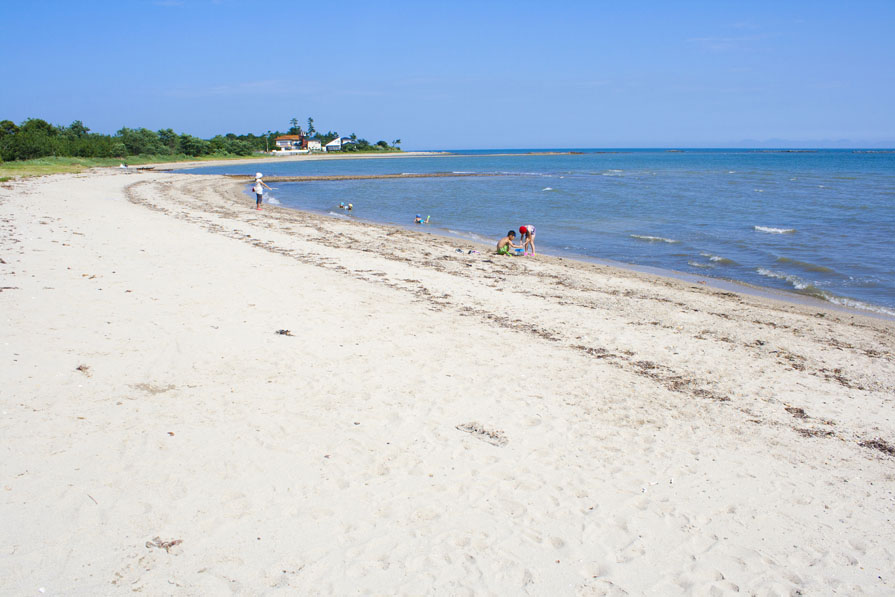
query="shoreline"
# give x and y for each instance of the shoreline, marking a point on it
(740, 286)
(160, 167)
(769, 296)
(212, 390)
(729, 284)
(790, 282)
(187, 165)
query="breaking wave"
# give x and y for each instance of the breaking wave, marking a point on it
(808, 267)
(654, 239)
(796, 282)
(718, 259)
(771, 230)
(804, 287)
(853, 304)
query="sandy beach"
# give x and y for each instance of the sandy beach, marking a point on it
(202, 399)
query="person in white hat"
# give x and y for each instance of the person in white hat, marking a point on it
(259, 190)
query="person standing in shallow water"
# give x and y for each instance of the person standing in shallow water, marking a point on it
(259, 190)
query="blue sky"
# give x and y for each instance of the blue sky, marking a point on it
(459, 74)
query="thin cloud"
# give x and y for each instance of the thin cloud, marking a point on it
(269, 87)
(275, 88)
(725, 44)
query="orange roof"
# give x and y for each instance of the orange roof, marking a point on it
(290, 137)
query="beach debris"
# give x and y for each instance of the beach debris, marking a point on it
(879, 444)
(813, 432)
(284, 332)
(647, 486)
(797, 412)
(495, 437)
(159, 543)
(85, 369)
(153, 389)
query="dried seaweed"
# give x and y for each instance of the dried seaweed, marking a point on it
(494, 437)
(879, 444)
(159, 543)
(796, 412)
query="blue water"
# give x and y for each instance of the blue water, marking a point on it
(820, 223)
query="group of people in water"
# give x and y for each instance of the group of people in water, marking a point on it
(506, 246)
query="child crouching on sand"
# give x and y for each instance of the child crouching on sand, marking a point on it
(506, 243)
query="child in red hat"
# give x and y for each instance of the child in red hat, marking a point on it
(528, 238)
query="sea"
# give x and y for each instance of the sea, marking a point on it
(817, 223)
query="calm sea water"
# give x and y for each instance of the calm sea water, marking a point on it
(820, 223)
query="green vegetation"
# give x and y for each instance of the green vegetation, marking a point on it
(41, 166)
(36, 138)
(36, 147)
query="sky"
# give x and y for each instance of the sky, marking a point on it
(457, 74)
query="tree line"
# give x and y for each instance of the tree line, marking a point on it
(36, 138)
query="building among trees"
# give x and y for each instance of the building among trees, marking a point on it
(291, 142)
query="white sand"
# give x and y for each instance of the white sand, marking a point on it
(637, 433)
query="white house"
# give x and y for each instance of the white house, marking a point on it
(288, 142)
(314, 145)
(337, 143)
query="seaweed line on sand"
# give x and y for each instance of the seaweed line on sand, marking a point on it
(495, 437)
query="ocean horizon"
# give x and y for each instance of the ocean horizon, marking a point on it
(816, 222)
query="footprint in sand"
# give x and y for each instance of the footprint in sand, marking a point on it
(600, 587)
